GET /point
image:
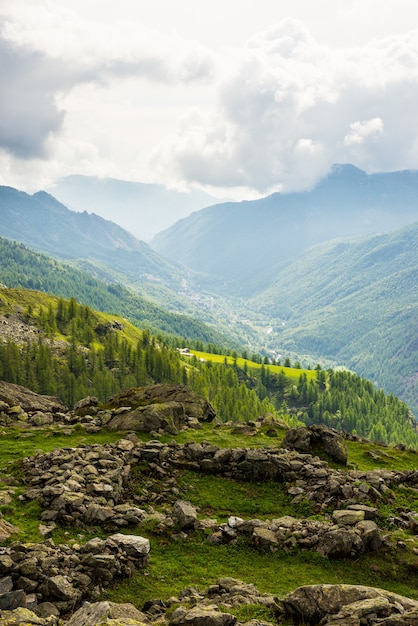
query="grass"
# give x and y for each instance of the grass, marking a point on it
(221, 497)
(195, 562)
(16, 444)
(291, 372)
(369, 456)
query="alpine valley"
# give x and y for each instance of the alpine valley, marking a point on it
(224, 443)
(326, 276)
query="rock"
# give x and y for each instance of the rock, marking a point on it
(15, 395)
(59, 587)
(175, 405)
(184, 514)
(6, 530)
(134, 546)
(311, 603)
(265, 538)
(409, 618)
(358, 612)
(100, 612)
(340, 543)
(201, 616)
(305, 439)
(370, 512)
(23, 617)
(46, 609)
(12, 599)
(348, 518)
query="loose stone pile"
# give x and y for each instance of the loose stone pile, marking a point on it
(32, 574)
(89, 485)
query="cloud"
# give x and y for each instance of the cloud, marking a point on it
(293, 107)
(83, 93)
(361, 131)
(28, 113)
(51, 54)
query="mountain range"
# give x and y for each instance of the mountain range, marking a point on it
(247, 243)
(325, 276)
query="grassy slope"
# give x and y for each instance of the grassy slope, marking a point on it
(192, 561)
(291, 372)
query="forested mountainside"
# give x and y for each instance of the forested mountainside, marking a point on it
(354, 302)
(22, 267)
(46, 225)
(59, 347)
(246, 243)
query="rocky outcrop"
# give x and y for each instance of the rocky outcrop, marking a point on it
(213, 606)
(90, 485)
(328, 605)
(23, 399)
(154, 408)
(105, 613)
(309, 439)
(346, 605)
(167, 407)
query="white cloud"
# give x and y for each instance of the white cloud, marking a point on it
(292, 108)
(101, 88)
(361, 131)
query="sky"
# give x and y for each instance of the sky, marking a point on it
(238, 98)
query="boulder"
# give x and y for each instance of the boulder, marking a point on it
(134, 546)
(306, 439)
(348, 518)
(184, 514)
(16, 395)
(23, 617)
(167, 416)
(100, 612)
(179, 401)
(201, 616)
(312, 603)
(340, 543)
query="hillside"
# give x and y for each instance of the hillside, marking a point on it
(159, 507)
(107, 252)
(22, 267)
(43, 223)
(247, 243)
(59, 347)
(142, 209)
(353, 302)
(208, 525)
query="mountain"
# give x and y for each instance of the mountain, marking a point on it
(21, 267)
(142, 209)
(247, 243)
(353, 302)
(45, 224)
(108, 252)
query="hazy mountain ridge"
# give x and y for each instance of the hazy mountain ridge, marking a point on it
(141, 208)
(249, 242)
(44, 224)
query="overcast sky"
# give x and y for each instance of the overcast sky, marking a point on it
(238, 97)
